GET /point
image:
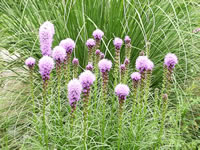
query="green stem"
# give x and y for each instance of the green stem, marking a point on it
(120, 122)
(44, 109)
(59, 83)
(32, 90)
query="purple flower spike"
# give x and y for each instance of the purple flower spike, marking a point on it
(144, 64)
(46, 33)
(89, 67)
(46, 64)
(98, 34)
(127, 40)
(98, 52)
(126, 62)
(75, 62)
(59, 54)
(90, 43)
(68, 44)
(105, 65)
(74, 91)
(102, 56)
(118, 43)
(136, 76)
(30, 62)
(122, 67)
(170, 60)
(86, 78)
(122, 91)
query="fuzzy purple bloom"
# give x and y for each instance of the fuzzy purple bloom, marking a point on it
(89, 67)
(122, 67)
(136, 76)
(75, 62)
(196, 30)
(86, 78)
(126, 62)
(170, 60)
(90, 43)
(98, 34)
(102, 56)
(118, 43)
(46, 64)
(59, 54)
(98, 52)
(68, 44)
(122, 91)
(30, 62)
(74, 91)
(104, 65)
(46, 33)
(127, 39)
(144, 64)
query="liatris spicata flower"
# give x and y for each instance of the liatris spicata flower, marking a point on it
(30, 62)
(170, 61)
(46, 33)
(98, 34)
(74, 92)
(75, 63)
(136, 77)
(90, 44)
(89, 66)
(104, 67)
(98, 52)
(68, 44)
(126, 62)
(102, 56)
(118, 44)
(127, 39)
(59, 54)
(122, 91)
(123, 71)
(144, 64)
(86, 78)
(46, 64)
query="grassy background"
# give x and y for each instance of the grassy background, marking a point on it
(168, 25)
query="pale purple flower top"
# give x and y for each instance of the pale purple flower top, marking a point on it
(144, 64)
(74, 91)
(118, 43)
(59, 54)
(126, 61)
(90, 43)
(46, 33)
(98, 52)
(46, 64)
(102, 56)
(68, 44)
(98, 34)
(122, 67)
(122, 90)
(86, 78)
(136, 76)
(89, 66)
(75, 62)
(170, 60)
(30, 62)
(127, 39)
(104, 65)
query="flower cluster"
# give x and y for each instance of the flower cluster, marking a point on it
(127, 40)
(89, 67)
(46, 33)
(59, 54)
(75, 62)
(68, 44)
(46, 64)
(30, 62)
(90, 43)
(86, 78)
(144, 64)
(122, 91)
(170, 61)
(98, 34)
(118, 43)
(104, 65)
(136, 76)
(74, 91)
